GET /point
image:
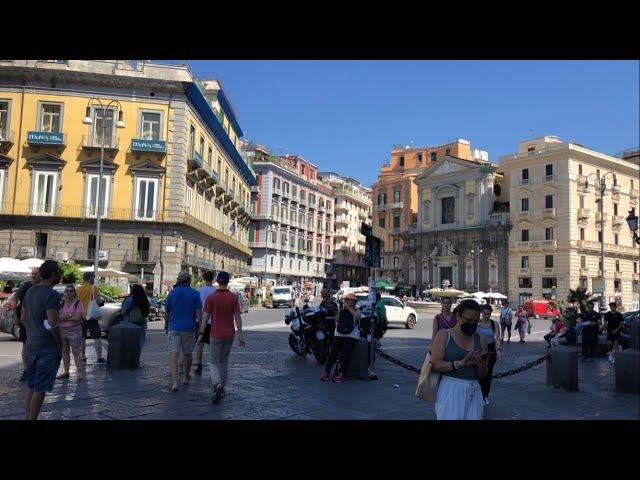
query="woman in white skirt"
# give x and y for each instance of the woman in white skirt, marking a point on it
(457, 354)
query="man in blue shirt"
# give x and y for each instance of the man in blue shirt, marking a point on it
(183, 314)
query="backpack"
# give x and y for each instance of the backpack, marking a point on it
(346, 322)
(135, 316)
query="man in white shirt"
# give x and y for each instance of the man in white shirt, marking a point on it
(204, 291)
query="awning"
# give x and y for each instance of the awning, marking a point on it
(383, 284)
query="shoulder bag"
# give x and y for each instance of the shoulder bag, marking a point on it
(93, 311)
(429, 379)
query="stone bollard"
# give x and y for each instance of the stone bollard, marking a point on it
(359, 364)
(565, 368)
(628, 371)
(634, 341)
(124, 347)
(549, 368)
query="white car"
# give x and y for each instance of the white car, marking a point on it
(397, 312)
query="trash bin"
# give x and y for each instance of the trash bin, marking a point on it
(359, 364)
(564, 367)
(124, 347)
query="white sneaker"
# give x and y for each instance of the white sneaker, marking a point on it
(610, 357)
(486, 401)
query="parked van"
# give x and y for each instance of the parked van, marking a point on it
(541, 309)
(341, 293)
(283, 295)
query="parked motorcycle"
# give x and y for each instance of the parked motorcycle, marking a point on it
(311, 332)
(156, 310)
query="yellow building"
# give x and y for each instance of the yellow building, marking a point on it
(556, 239)
(175, 189)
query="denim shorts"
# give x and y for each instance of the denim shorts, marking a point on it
(42, 368)
(182, 342)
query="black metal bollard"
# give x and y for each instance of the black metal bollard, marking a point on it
(124, 347)
(628, 371)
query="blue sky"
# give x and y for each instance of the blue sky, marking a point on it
(344, 116)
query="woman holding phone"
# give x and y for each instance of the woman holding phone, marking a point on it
(489, 330)
(457, 354)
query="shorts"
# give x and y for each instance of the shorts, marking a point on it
(181, 342)
(22, 334)
(613, 337)
(72, 336)
(92, 326)
(207, 334)
(42, 368)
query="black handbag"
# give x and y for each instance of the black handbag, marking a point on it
(345, 322)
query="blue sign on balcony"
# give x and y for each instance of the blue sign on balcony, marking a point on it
(45, 138)
(140, 145)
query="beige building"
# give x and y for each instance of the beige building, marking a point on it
(352, 202)
(556, 239)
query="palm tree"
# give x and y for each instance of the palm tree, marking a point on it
(581, 296)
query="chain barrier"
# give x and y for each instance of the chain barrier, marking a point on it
(508, 373)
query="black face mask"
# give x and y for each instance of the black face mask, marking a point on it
(469, 328)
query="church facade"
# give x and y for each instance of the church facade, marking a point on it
(461, 238)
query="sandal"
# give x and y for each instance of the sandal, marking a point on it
(62, 375)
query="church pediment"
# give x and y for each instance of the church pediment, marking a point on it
(449, 165)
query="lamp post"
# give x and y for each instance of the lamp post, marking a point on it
(632, 221)
(119, 124)
(602, 187)
(479, 252)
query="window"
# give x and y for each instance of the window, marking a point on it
(468, 274)
(581, 201)
(2, 179)
(396, 245)
(600, 236)
(617, 265)
(525, 175)
(524, 235)
(616, 239)
(201, 148)
(582, 234)
(419, 158)
(548, 201)
(548, 170)
(396, 262)
(51, 117)
(146, 192)
(635, 267)
(615, 180)
(302, 194)
(531, 148)
(524, 204)
(525, 282)
(584, 283)
(4, 120)
(276, 184)
(447, 151)
(396, 196)
(396, 221)
(199, 206)
(434, 156)
(189, 200)
(91, 246)
(303, 168)
(150, 126)
(103, 123)
(272, 261)
(583, 262)
(381, 222)
(142, 250)
(549, 282)
(548, 261)
(548, 233)
(617, 286)
(192, 141)
(207, 211)
(381, 262)
(470, 206)
(579, 169)
(493, 273)
(294, 191)
(448, 210)
(401, 160)
(285, 188)
(524, 262)
(41, 244)
(210, 156)
(615, 209)
(91, 201)
(44, 193)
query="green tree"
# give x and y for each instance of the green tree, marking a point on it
(71, 273)
(581, 296)
(110, 290)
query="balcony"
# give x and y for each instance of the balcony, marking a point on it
(394, 231)
(549, 271)
(36, 139)
(600, 216)
(615, 188)
(549, 178)
(528, 245)
(93, 142)
(524, 181)
(584, 272)
(194, 160)
(341, 206)
(548, 213)
(381, 207)
(617, 220)
(583, 213)
(549, 244)
(396, 205)
(633, 196)
(148, 146)
(525, 271)
(276, 191)
(609, 247)
(362, 215)
(636, 277)
(6, 139)
(524, 215)
(79, 212)
(341, 220)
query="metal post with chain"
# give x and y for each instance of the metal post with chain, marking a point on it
(508, 373)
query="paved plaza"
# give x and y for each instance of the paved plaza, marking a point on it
(268, 381)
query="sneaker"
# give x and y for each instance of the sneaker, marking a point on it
(198, 370)
(324, 377)
(486, 401)
(23, 377)
(102, 360)
(339, 378)
(217, 394)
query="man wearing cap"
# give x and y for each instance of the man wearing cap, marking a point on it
(183, 313)
(224, 307)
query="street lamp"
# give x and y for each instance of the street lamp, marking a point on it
(632, 221)
(479, 252)
(602, 187)
(88, 120)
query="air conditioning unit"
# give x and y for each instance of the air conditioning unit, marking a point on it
(103, 254)
(62, 256)
(26, 251)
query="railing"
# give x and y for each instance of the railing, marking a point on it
(7, 137)
(382, 207)
(216, 234)
(142, 255)
(93, 141)
(524, 181)
(549, 178)
(617, 220)
(528, 244)
(611, 247)
(584, 213)
(499, 218)
(341, 219)
(599, 215)
(633, 193)
(525, 271)
(78, 211)
(394, 231)
(396, 205)
(526, 214)
(548, 213)
(547, 244)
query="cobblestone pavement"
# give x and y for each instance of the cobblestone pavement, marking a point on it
(268, 381)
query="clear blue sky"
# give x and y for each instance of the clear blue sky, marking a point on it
(344, 116)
